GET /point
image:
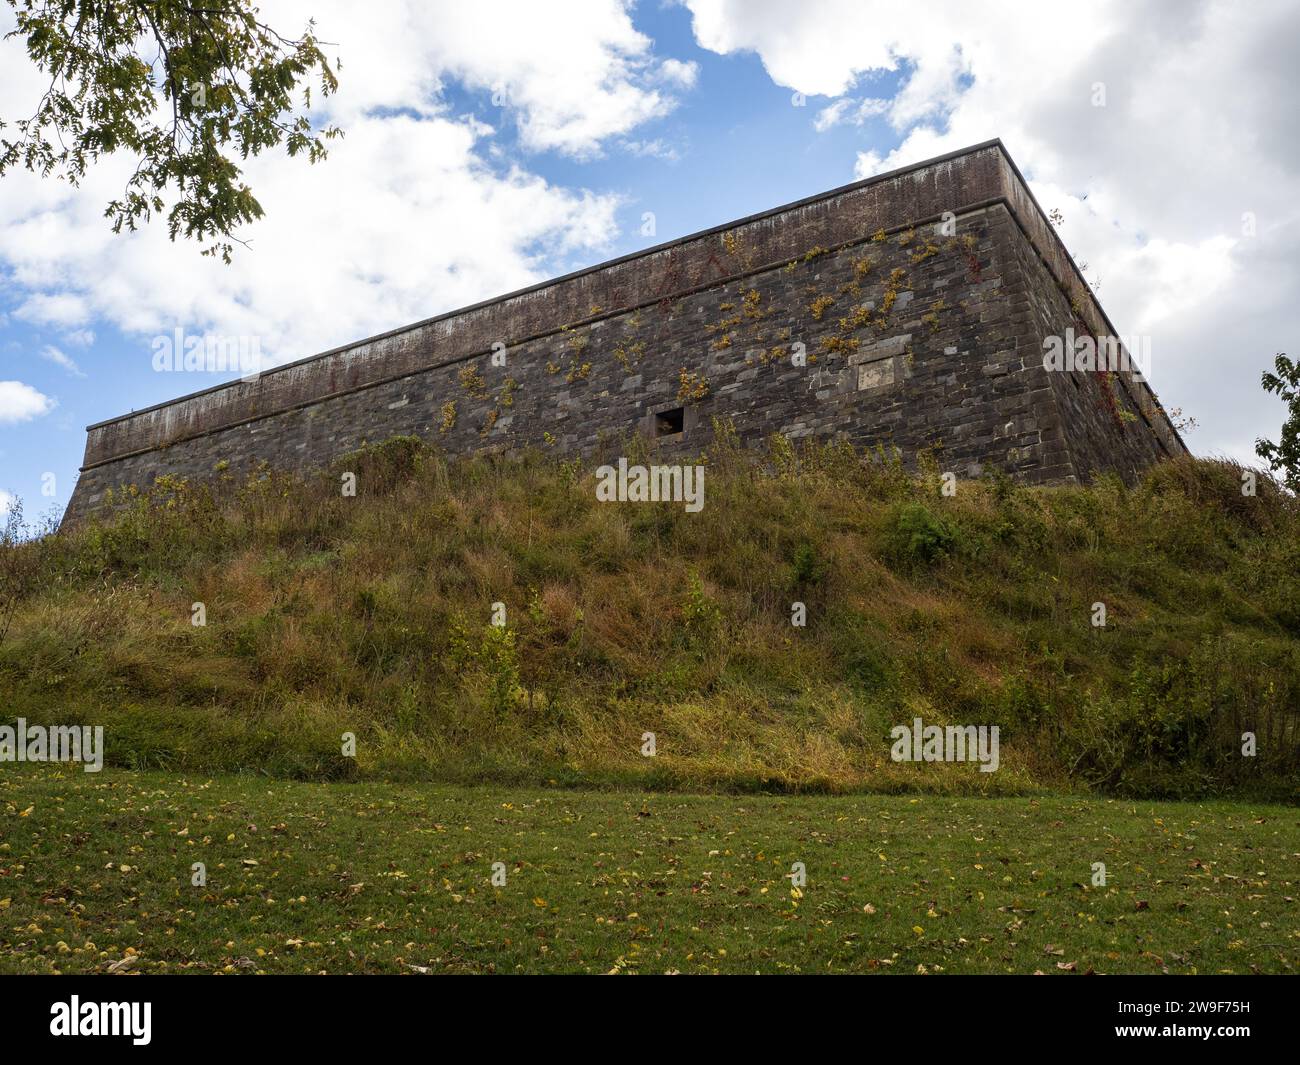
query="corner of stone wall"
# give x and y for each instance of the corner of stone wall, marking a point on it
(1050, 459)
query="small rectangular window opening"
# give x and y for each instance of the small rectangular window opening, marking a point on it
(670, 422)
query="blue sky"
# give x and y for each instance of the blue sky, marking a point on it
(438, 197)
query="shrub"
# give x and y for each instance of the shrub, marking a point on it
(915, 535)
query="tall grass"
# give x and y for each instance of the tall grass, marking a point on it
(372, 615)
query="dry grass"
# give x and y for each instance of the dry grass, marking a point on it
(371, 615)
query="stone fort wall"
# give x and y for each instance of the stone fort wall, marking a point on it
(915, 334)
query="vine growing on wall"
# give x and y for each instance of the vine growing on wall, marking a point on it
(1108, 396)
(472, 382)
(1105, 377)
(692, 387)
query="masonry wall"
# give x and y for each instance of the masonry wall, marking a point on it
(914, 337)
(1113, 419)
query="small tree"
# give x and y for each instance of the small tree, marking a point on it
(1284, 457)
(185, 88)
(15, 566)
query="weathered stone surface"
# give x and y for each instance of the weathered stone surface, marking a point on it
(914, 338)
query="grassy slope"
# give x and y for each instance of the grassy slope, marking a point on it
(328, 614)
(395, 878)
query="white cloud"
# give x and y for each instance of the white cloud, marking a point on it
(417, 210)
(812, 53)
(832, 115)
(868, 163)
(571, 75)
(52, 354)
(655, 149)
(82, 338)
(1199, 127)
(403, 220)
(847, 109)
(62, 309)
(6, 501)
(678, 73)
(21, 403)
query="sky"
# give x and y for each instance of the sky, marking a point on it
(495, 143)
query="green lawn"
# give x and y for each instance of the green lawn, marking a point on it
(306, 877)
